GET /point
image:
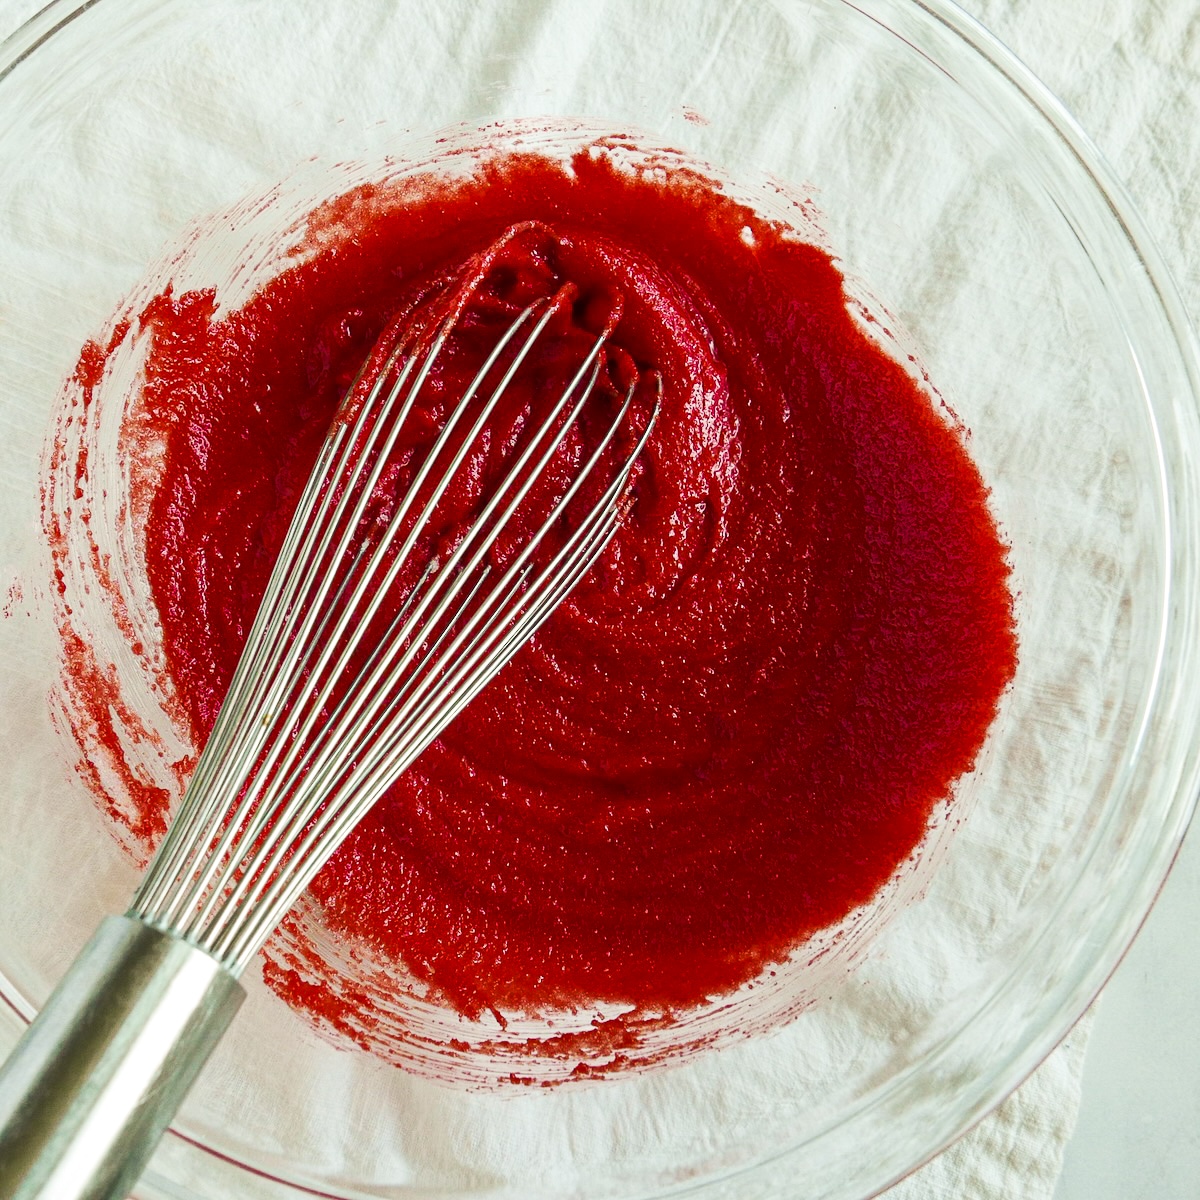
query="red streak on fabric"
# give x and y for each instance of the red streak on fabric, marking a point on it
(738, 727)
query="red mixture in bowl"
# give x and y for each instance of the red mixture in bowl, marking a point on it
(737, 728)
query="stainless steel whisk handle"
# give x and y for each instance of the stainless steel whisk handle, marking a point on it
(93, 1083)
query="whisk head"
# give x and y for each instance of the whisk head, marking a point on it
(456, 501)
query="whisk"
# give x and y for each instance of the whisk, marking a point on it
(338, 690)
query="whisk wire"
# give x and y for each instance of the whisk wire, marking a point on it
(275, 638)
(550, 585)
(474, 670)
(314, 734)
(230, 739)
(238, 943)
(361, 465)
(303, 761)
(359, 713)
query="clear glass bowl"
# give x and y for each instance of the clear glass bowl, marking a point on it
(958, 194)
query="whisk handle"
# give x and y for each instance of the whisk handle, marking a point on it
(95, 1080)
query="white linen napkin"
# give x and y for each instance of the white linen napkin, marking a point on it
(1015, 1153)
(1129, 69)
(1130, 73)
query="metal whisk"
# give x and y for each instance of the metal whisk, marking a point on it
(338, 690)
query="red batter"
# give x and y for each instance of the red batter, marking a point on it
(737, 728)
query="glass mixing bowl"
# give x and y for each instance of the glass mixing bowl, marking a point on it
(985, 234)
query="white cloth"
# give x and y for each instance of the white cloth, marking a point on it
(1129, 69)
(1130, 73)
(1015, 1153)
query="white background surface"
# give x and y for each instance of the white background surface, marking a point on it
(1130, 70)
(1138, 1136)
